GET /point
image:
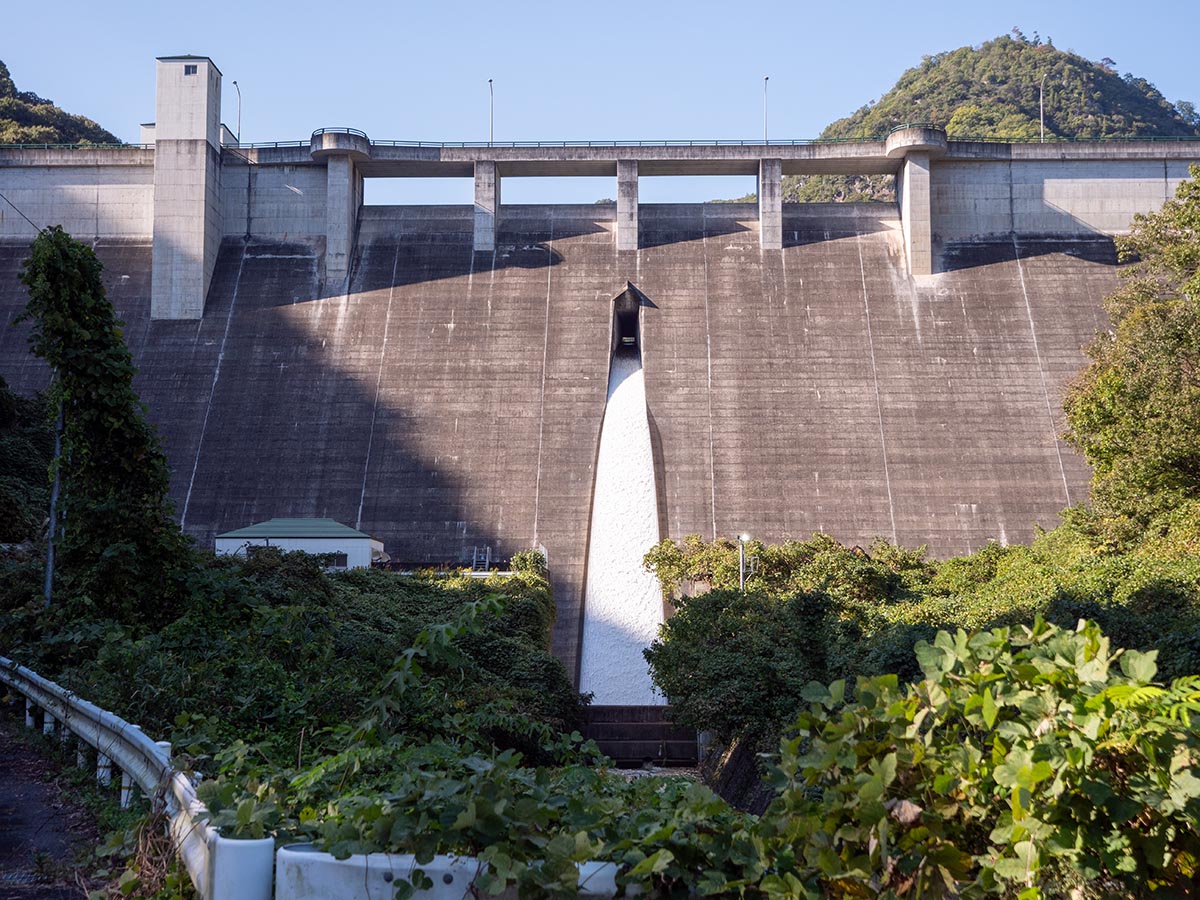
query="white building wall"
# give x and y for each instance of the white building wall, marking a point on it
(357, 550)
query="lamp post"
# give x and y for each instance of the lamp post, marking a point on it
(743, 539)
(1042, 106)
(766, 78)
(239, 118)
(491, 113)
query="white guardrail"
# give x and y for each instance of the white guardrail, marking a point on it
(303, 873)
(227, 869)
(220, 868)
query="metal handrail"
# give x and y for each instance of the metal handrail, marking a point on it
(354, 131)
(756, 142)
(79, 146)
(908, 125)
(1150, 138)
(797, 142)
(220, 868)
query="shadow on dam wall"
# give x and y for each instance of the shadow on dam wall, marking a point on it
(453, 399)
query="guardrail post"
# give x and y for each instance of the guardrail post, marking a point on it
(103, 769)
(29, 708)
(81, 749)
(47, 724)
(126, 790)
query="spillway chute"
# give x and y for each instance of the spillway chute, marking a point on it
(622, 601)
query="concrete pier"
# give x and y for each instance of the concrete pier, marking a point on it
(343, 199)
(770, 204)
(912, 192)
(187, 185)
(487, 205)
(627, 204)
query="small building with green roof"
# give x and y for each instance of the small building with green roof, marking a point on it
(351, 549)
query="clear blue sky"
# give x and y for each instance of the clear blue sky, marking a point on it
(569, 69)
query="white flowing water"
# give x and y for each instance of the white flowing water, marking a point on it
(622, 601)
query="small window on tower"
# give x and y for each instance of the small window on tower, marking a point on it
(189, 70)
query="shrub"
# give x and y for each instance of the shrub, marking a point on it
(1021, 759)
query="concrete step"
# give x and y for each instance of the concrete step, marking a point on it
(635, 736)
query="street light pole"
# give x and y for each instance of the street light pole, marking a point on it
(491, 113)
(766, 78)
(239, 118)
(1042, 106)
(743, 539)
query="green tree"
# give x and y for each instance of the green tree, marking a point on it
(996, 91)
(121, 551)
(26, 118)
(1134, 411)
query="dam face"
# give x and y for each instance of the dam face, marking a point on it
(438, 376)
(452, 399)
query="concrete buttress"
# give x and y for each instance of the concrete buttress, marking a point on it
(343, 199)
(487, 205)
(913, 195)
(770, 204)
(627, 204)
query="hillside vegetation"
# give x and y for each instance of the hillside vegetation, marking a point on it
(992, 91)
(26, 118)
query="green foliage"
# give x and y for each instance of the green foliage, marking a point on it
(992, 92)
(277, 653)
(1134, 411)
(529, 561)
(1021, 760)
(26, 448)
(1026, 762)
(120, 549)
(729, 662)
(26, 118)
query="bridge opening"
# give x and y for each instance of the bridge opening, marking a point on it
(553, 191)
(418, 191)
(695, 188)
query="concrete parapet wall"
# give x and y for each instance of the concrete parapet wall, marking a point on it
(990, 198)
(89, 201)
(286, 201)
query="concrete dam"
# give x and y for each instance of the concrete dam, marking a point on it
(438, 376)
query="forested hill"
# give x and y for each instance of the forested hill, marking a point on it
(992, 91)
(26, 118)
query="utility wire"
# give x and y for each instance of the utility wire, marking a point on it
(21, 213)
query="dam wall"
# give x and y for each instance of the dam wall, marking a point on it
(451, 399)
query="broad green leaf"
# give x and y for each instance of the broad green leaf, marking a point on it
(989, 708)
(1141, 667)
